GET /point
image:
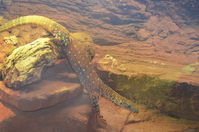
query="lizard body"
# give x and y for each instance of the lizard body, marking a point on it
(78, 58)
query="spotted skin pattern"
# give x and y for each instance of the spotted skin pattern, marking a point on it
(79, 60)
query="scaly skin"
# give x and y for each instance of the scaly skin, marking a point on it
(51, 26)
(78, 58)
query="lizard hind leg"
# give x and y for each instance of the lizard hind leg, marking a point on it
(97, 119)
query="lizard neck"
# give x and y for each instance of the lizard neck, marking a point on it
(80, 62)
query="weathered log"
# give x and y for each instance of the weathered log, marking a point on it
(26, 63)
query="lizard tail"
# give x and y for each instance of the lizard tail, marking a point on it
(48, 24)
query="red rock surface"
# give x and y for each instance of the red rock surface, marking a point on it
(140, 27)
(56, 87)
(56, 103)
(5, 113)
(69, 116)
(147, 31)
(121, 120)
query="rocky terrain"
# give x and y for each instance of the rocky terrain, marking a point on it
(161, 30)
(47, 106)
(157, 38)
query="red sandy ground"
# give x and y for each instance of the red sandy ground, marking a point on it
(162, 42)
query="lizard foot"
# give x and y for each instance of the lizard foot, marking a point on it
(100, 121)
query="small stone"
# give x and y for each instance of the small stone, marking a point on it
(163, 34)
(143, 35)
(122, 68)
(11, 40)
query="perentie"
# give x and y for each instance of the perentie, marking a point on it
(78, 58)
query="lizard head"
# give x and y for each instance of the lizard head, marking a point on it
(84, 42)
(90, 52)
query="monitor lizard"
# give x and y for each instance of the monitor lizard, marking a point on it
(78, 58)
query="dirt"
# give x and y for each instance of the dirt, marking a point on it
(146, 40)
(121, 120)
